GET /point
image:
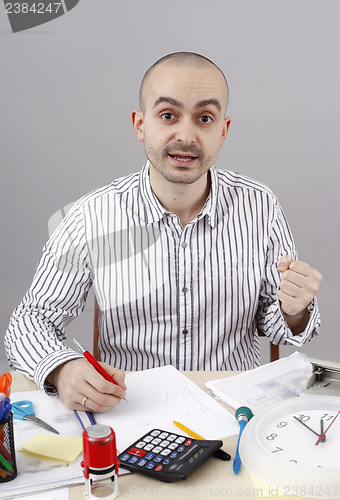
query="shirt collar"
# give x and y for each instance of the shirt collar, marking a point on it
(154, 211)
(210, 206)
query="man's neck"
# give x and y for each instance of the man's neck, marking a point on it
(184, 200)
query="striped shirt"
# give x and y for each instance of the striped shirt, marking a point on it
(188, 296)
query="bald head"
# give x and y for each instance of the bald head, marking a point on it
(178, 59)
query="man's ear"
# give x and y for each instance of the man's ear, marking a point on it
(138, 124)
(226, 126)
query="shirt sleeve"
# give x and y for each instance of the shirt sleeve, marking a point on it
(34, 339)
(269, 315)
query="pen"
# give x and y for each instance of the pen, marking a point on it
(242, 415)
(221, 454)
(90, 416)
(95, 363)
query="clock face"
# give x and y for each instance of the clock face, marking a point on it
(296, 442)
(292, 437)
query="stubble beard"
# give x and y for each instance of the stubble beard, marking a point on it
(184, 174)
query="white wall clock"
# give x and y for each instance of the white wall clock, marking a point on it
(295, 447)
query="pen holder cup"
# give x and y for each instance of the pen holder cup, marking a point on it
(8, 467)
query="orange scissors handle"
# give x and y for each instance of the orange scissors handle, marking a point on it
(6, 383)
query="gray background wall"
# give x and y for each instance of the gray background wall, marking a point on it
(67, 89)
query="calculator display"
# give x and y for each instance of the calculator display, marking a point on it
(167, 456)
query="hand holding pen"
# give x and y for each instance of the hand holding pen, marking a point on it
(81, 387)
(95, 363)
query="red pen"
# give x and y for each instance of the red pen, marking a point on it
(95, 363)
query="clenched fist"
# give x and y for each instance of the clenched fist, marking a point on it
(298, 286)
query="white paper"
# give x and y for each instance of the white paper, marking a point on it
(158, 396)
(59, 494)
(264, 386)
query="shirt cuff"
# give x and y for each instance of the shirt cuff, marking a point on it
(312, 328)
(50, 363)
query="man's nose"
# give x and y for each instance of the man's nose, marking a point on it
(185, 131)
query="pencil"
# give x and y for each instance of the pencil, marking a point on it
(4, 452)
(95, 363)
(221, 454)
(187, 430)
(5, 464)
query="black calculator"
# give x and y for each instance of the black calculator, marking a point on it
(167, 456)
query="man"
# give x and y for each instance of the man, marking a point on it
(185, 259)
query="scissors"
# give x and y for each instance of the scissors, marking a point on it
(23, 410)
(6, 384)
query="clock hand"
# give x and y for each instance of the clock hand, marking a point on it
(321, 430)
(296, 418)
(323, 435)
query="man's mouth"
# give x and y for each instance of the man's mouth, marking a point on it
(183, 158)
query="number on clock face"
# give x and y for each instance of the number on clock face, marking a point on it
(295, 438)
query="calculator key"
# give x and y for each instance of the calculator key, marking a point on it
(173, 454)
(165, 452)
(188, 442)
(157, 449)
(141, 444)
(166, 461)
(164, 443)
(149, 456)
(156, 441)
(172, 437)
(164, 435)
(155, 433)
(142, 462)
(148, 447)
(147, 439)
(172, 446)
(180, 439)
(133, 460)
(150, 465)
(125, 457)
(158, 458)
(137, 452)
(181, 448)
(158, 467)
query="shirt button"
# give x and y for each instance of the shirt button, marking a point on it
(184, 289)
(184, 245)
(185, 331)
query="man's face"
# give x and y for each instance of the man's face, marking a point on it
(182, 123)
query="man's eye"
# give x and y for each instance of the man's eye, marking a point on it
(167, 116)
(206, 119)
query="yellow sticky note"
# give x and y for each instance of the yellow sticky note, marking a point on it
(59, 447)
